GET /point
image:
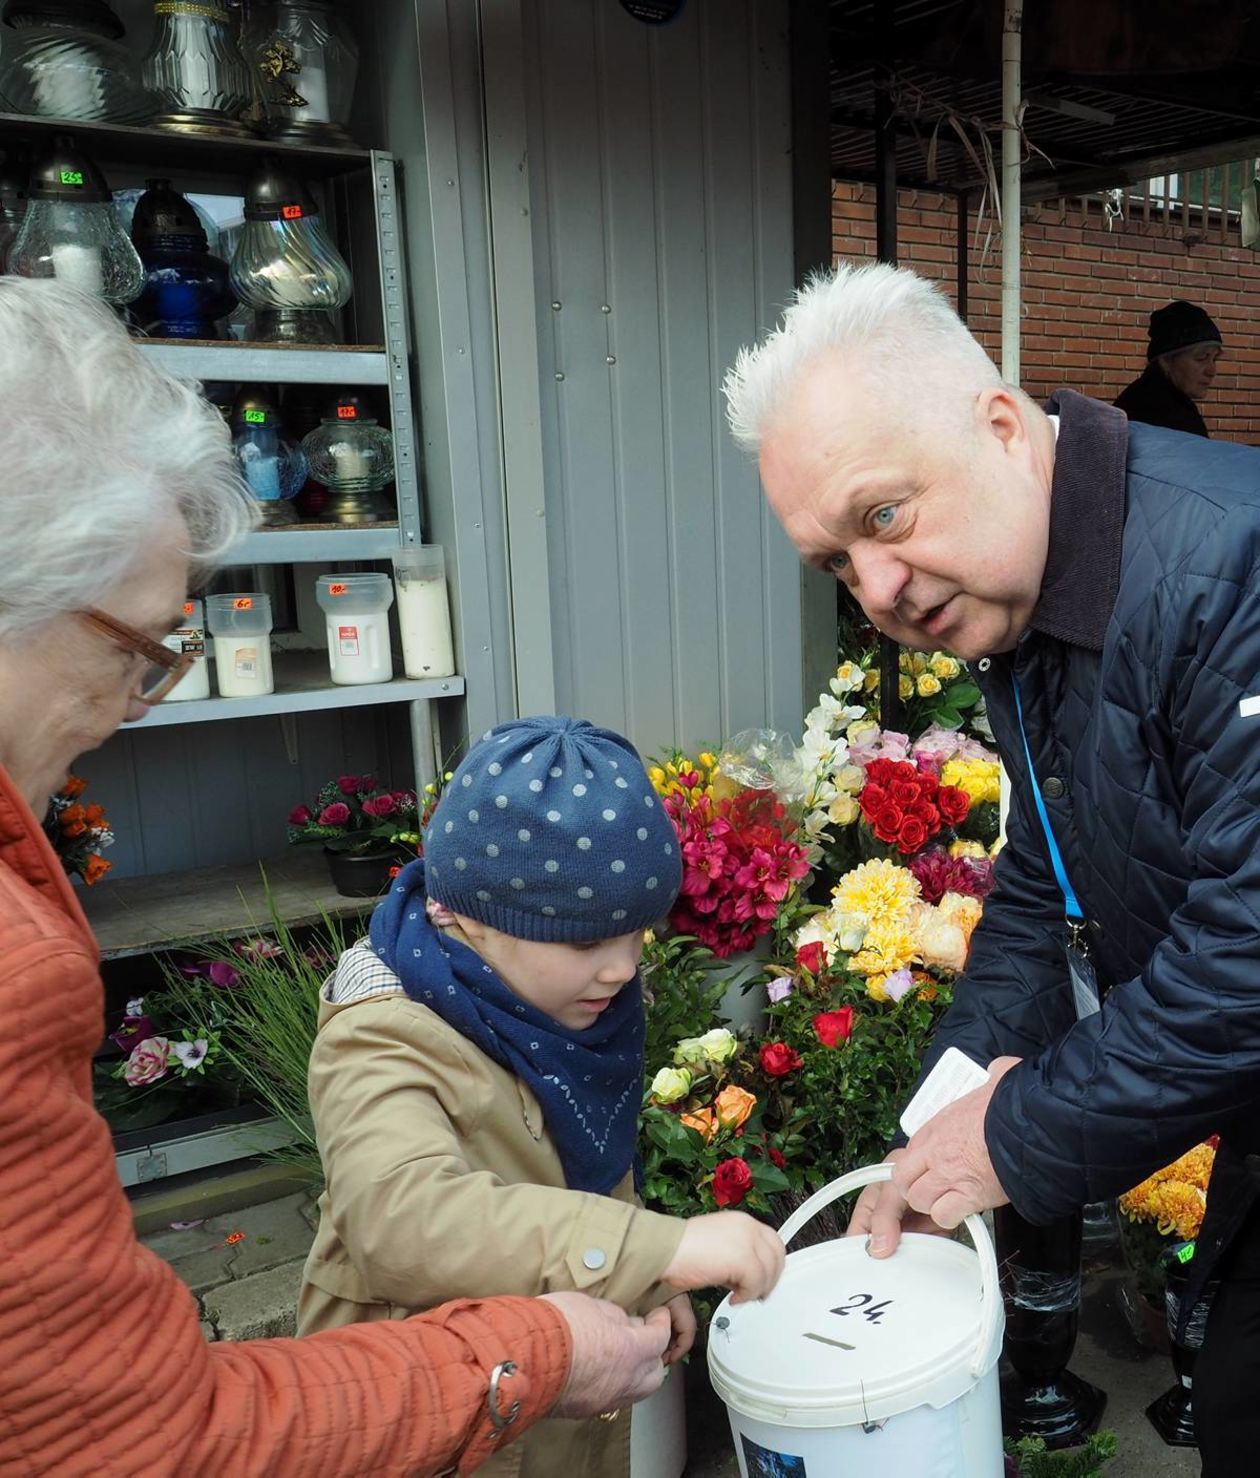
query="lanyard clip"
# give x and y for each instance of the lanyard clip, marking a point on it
(1078, 939)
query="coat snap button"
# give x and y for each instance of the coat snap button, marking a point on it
(1053, 788)
(984, 664)
(594, 1258)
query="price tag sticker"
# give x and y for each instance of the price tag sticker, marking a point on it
(291, 212)
(337, 589)
(71, 176)
(243, 603)
(347, 413)
(256, 418)
(188, 608)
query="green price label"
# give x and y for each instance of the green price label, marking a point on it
(256, 418)
(71, 176)
(1186, 1253)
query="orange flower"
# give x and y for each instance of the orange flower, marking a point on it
(702, 1121)
(95, 869)
(74, 786)
(733, 1105)
(75, 828)
(94, 815)
(72, 816)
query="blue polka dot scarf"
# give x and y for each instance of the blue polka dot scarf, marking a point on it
(588, 1083)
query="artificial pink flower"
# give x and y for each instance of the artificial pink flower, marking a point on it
(350, 784)
(336, 814)
(299, 815)
(149, 1061)
(380, 806)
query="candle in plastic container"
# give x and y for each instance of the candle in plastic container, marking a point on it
(424, 616)
(241, 626)
(356, 616)
(190, 637)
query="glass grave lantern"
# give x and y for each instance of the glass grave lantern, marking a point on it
(65, 59)
(186, 289)
(71, 229)
(351, 455)
(272, 465)
(195, 70)
(306, 60)
(285, 266)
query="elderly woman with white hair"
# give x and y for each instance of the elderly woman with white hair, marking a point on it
(117, 490)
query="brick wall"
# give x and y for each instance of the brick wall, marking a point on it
(1087, 291)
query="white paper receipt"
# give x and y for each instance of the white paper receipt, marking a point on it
(954, 1076)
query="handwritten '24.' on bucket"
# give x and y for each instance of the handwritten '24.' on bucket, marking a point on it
(862, 1368)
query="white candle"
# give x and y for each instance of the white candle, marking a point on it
(243, 665)
(353, 462)
(424, 621)
(78, 266)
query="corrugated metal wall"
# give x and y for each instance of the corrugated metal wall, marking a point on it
(658, 162)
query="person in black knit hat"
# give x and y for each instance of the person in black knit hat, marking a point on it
(1184, 348)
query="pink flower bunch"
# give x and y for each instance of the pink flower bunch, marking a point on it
(936, 746)
(739, 864)
(938, 873)
(355, 813)
(879, 744)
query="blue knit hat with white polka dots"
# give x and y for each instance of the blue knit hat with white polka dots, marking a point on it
(551, 831)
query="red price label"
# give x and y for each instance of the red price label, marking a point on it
(291, 212)
(347, 413)
(188, 608)
(243, 603)
(336, 590)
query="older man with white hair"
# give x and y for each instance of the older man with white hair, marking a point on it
(1103, 581)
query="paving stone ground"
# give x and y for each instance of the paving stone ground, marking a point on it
(245, 1268)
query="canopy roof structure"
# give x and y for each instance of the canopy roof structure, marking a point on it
(1114, 92)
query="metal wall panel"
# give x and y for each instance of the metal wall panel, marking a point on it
(660, 169)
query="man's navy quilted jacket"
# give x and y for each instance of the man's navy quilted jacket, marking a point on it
(1151, 778)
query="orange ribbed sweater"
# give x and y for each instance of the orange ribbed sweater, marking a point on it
(103, 1369)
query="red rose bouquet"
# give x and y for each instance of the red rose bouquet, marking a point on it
(355, 813)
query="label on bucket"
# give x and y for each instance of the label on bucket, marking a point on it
(348, 640)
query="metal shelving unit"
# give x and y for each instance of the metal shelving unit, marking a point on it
(270, 363)
(303, 686)
(306, 544)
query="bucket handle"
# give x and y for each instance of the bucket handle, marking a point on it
(990, 1293)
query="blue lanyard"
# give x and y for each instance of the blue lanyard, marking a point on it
(1071, 904)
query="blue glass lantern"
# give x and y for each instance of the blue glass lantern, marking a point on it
(272, 464)
(186, 289)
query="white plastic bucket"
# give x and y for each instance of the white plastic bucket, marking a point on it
(863, 1366)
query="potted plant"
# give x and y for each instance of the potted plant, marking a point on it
(365, 829)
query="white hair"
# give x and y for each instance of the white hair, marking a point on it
(97, 448)
(903, 324)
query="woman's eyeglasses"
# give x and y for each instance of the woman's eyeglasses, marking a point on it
(165, 668)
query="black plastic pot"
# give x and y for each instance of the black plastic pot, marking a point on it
(362, 874)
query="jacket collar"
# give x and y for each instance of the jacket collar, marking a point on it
(26, 851)
(1087, 497)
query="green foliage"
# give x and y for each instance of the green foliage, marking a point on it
(270, 1016)
(681, 994)
(839, 1109)
(1080, 1462)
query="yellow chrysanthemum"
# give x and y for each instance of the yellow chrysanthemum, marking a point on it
(889, 945)
(1174, 1197)
(877, 891)
(927, 686)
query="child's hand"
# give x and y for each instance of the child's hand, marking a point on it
(731, 1250)
(682, 1322)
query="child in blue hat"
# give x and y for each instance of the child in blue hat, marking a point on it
(479, 1069)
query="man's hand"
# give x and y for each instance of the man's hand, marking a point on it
(945, 1171)
(881, 1215)
(616, 1358)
